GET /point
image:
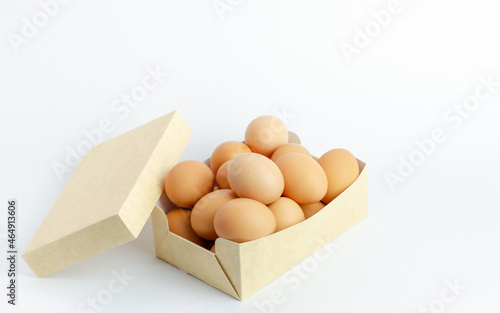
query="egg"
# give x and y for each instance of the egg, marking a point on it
(221, 176)
(254, 176)
(187, 182)
(265, 134)
(225, 152)
(202, 216)
(179, 223)
(242, 220)
(289, 148)
(286, 212)
(312, 208)
(341, 168)
(305, 180)
(293, 138)
(212, 249)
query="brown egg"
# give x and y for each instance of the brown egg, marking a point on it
(312, 208)
(265, 134)
(289, 148)
(225, 152)
(305, 180)
(179, 223)
(221, 177)
(254, 176)
(202, 216)
(287, 213)
(187, 182)
(242, 220)
(341, 168)
(213, 249)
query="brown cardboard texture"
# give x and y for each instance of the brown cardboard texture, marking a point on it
(110, 195)
(242, 269)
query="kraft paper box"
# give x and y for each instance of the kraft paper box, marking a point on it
(117, 186)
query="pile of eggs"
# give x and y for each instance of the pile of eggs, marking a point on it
(254, 188)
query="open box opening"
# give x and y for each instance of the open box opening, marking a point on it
(241, 269)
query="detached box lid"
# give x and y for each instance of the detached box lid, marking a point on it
(110, 195)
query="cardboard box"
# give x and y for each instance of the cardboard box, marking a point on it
(117, 186)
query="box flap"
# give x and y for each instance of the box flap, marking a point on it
(110, 195)
(187, 256)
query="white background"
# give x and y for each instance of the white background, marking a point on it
(282, 58)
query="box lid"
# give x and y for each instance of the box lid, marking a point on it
(110, 195)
